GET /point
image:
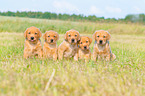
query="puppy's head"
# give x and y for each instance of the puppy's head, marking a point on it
(101, 37)
(32, 34)
(51, 37)
(85, 42)
(72, 36)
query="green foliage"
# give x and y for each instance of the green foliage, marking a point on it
(49, 15)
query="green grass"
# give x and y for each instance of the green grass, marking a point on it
(16, 24)
(123, 77)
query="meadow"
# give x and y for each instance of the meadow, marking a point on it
(43, 77)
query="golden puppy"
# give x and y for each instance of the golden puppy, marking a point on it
(102, 48)
(50, 46)
(84, 49)
(32, 45)
(69, 47)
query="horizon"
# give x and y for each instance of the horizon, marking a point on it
(110, 9)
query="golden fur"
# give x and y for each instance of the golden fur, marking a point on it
(102, 48)
(32, 45)
(50, 46)
(84, 49)
(69, 47)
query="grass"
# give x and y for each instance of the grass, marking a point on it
(122, 77)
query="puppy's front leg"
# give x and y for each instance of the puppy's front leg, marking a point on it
(108, 57)
(25, 54)
(87, 58)
(94, 55)
(60, 53)
(55, 56)
(40, 53)
(76, 56)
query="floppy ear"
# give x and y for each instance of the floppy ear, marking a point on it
(108, 36)
(94, 35)
(65, 36)
(79, 37)
(39, 33)
(90, 40)
(25, 33)
(44, 36)
(57, 35)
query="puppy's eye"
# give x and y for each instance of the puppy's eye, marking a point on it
(75, 35)
(35, 33)
(104, 36)
(29, 33)
(69, 35)
(86, 41)
(81, 42)
(97, 36)
(48, 36)
(54, 36)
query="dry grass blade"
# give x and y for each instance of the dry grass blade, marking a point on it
(48, 83)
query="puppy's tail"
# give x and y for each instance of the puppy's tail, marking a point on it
(113, 57)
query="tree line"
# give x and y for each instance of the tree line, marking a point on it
(48, 15)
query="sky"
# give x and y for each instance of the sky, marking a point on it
(100, 8)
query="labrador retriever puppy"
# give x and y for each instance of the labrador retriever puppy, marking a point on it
(50, 44)
(69, 47)
(32, 47)
(84, 49)
(102, 48)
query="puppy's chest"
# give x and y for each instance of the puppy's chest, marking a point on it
(82, 54)
(71, 51)
(49, 50)
(35, 49)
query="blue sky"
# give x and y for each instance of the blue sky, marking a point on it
(105, 8)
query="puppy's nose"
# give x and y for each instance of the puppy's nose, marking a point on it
(72, 40)
(85, 47)
(101, 41)
(32, 38)
(51, 40)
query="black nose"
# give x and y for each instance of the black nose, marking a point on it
(101, 41)
(85, 47)
(51, 40)
(73, 40)
(32, 38)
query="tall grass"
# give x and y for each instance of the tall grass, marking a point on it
(15, 24)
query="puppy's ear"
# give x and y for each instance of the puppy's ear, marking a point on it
(108, 36)
(79, 37)
(57, 35)
(65, 36)
(44, 36)
(25, 33)
(90, 40)
(94, 35)
(39, 33)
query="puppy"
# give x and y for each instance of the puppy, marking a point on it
(69, 47)
(50, 46)
(84, 49)
(32, 45)
(102, 48)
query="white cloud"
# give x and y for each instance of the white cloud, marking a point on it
(95, 10)
(65, 7)
(113, 10)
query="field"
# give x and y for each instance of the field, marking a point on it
(123, 77)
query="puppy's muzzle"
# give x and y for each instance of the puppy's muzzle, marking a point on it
(32, 38)
(85, 47)
(51, 40)
(100, 41)
(72, 40)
